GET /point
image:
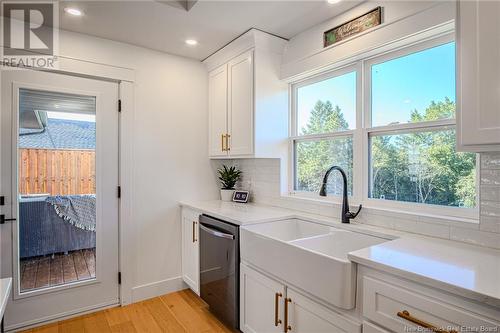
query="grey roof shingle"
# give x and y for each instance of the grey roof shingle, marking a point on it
(60, 134)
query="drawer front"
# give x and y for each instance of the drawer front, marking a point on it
(372, 328)
(402, 310)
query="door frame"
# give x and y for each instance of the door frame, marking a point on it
(125, 77)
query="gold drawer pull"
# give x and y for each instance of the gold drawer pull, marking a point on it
(287, 327)
(277, 321)
(406, 315)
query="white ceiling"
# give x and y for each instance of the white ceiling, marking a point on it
(164, 28)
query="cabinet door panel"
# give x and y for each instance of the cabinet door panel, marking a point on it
(478, 94)
(308, 316)
(217, 110)
(240, 115)
(190, 250)
(257, 302)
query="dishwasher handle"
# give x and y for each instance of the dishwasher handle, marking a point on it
(216, 233)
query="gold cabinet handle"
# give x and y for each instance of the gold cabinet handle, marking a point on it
(228, 148)
(277, 321)
(194, 231)
(223, 138)
(287, 327)
(406, 315)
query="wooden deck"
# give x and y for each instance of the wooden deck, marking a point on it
(47, 271)
(177, 312)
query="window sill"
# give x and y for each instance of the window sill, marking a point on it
(394, 212)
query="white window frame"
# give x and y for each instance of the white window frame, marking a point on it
(363, 130)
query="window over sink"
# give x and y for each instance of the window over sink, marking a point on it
(389, 122)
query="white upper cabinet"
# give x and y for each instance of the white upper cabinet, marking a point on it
(217, 99)
(478, 85)
(240, 112)
(248, 103)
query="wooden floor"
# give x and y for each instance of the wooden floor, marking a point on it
(54, 270)
(178, 312)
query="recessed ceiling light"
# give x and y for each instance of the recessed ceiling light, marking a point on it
(191, 42)
(332, 2)
(73, 11)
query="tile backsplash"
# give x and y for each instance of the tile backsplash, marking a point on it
(262, 178)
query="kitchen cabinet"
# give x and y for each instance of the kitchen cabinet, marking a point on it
(261, 302)
(398, 305)
(478, 75)
(231, 107)
(190, 249)
(244, 94)
(267, 305)
(305, 315)
(217, 97)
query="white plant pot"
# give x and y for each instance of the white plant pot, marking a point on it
(226, 195)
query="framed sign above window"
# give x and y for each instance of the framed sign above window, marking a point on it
(353, 27)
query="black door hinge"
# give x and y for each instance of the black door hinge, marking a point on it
(119, 277)
(119, 105)
(119, 192)
(2, 200)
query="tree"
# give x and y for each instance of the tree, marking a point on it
(315, 157)
(420, 166)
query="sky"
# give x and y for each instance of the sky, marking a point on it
(71, 116)
(399, 86)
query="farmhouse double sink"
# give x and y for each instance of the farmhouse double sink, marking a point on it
(308, 255)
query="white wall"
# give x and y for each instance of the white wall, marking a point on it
(169, 151)
(305, 54)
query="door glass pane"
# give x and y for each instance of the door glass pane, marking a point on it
(57, 188)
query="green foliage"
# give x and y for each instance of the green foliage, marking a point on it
(315, 157)
(229, 177)
(414, 167)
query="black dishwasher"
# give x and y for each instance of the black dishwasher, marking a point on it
(220, 268)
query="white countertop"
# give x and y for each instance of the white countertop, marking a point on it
(462, 269)
(459, 268)
(5, 287)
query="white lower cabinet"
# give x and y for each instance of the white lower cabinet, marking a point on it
(261, 302)
(403, 306)
(190, 249)
(267, 305)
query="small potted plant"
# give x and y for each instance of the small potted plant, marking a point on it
(228, 178)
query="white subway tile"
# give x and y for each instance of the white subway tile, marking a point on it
(481, 238)
(491, 224)
(490, 177)
(490, 193)
(490, 160)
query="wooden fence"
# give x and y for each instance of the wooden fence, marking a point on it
(62, 172)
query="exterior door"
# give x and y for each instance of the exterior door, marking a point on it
(59, 176)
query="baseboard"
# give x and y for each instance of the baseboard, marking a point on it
(157, 288)
(60, 316)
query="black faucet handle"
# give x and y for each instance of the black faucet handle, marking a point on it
(352, 215)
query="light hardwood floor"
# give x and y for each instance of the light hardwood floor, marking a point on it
(182, 311)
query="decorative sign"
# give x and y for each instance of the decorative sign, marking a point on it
(240, 196)
(353, 27)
